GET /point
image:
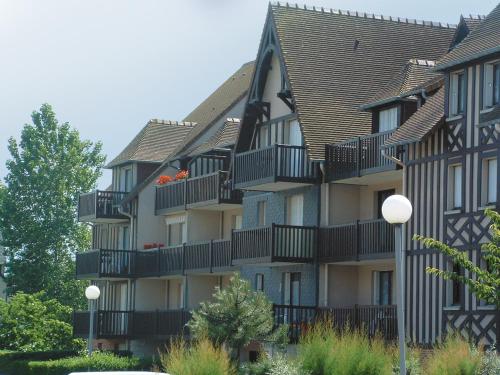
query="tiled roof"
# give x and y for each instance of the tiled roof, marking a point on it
(413, 74)
(490, 117)
(220, 101)
(421, 122)
(154, 142)
(337, 60)
(473, 20)
(483, 40)
(224, 137)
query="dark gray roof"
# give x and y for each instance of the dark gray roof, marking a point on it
(413, 74)
(223, 138)
(483, 40)
(336, 61)
(473, 20)
(421, 123)
(220, 101)
(154, 142)
(490, 117)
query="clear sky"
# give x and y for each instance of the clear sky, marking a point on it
(109, 66)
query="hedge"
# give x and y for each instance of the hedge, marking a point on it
(63, 366)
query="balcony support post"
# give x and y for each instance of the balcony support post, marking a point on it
(211, 254)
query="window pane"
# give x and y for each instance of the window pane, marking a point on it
(388, 119)
(461, 93)
(457, 186)
(261, 213)
(496, 84)
(492, 180)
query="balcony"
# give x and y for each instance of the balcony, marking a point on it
(201, 257)
(274, 168)
(275, 243)
(101, 206)
(356, 158)
(371, 319)
(132, 324)
(211, 191)
(104, 263)
(361, 240)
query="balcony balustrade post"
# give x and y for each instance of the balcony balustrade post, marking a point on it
(356, 322)
(232, 245)
(275, 161)
(183, 259)
(358, 156)
(272, 241)
(357, 234)
(185, 187)
(211, 252)
(99, 262)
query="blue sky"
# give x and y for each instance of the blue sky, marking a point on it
(109, 66)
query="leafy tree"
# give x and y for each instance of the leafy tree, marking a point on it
(486, 285)
(235, 316)
(49, 167)
(35, 323)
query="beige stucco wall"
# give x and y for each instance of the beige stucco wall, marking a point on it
(368, 198)
(227, 221)
(365, 281)
(200, 288)
(203, 225)
(342, 286)
(150, 228)
(150, 294)
(273, 86)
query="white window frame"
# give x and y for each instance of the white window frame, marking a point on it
(490, 85)
(261, 213)
(489, 181)
(388, 119)
(455, 187)
(457, 93)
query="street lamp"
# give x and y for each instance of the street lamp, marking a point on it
(92, 293)
(397, 210)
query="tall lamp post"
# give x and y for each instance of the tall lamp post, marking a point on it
(92, 293)
(397, 210)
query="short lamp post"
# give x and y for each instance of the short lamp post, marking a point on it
(397, 210)
(92, 293)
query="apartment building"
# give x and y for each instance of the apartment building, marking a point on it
(289, 162)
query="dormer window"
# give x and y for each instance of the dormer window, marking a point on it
(388, 119)
(457, 93)
(491, 84)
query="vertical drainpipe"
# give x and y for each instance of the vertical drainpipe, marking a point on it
(318, 223)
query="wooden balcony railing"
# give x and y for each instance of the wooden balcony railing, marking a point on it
(370, 239)
(206, 190)
(275, 163)
(105, 263)
(170, 197)
(371, 319)
(221, 255)
(133, 324)
(100, 204)
(357, 157)
(275, 243)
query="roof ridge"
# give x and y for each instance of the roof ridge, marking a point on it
(422, 62)
(171, 122)
(365, 15)
(474, 17)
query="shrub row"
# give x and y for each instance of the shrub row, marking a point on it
(63, 366)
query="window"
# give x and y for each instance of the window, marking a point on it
(491, 180)
(290, 292)
(455, 289)
(295, 210)
(382, 290)
(457, 93)
(237, 221)
(382, 195)
(125, 238)
(388, 119)
(263, 141)
(491, 84)
(261, 213)
(176, 234)
(259, 282)
(455, 183)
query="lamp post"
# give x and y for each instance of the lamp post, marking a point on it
(397, 210)
(92, 293)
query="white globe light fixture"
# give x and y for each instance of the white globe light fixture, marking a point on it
(396, 209)
(92, 292)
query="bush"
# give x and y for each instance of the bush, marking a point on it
(97, 362)
(490, 363)
(201, 358)
(455, 356)
(323, 351)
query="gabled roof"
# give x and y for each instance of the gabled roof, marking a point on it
(337, 60)
(223, 138)
(483, 40)
(220, 101)
(414, 73)
(154, 142)
(421, 123)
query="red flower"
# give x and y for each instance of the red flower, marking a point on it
(181, 175)
(162, 180)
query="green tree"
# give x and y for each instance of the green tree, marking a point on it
(235, 316)
(35, 323)
(49, 167)
(486, 284)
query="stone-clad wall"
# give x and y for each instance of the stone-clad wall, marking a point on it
(276, 213)
(276, 206)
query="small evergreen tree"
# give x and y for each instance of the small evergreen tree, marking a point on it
(235, 316)
(486, 285)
